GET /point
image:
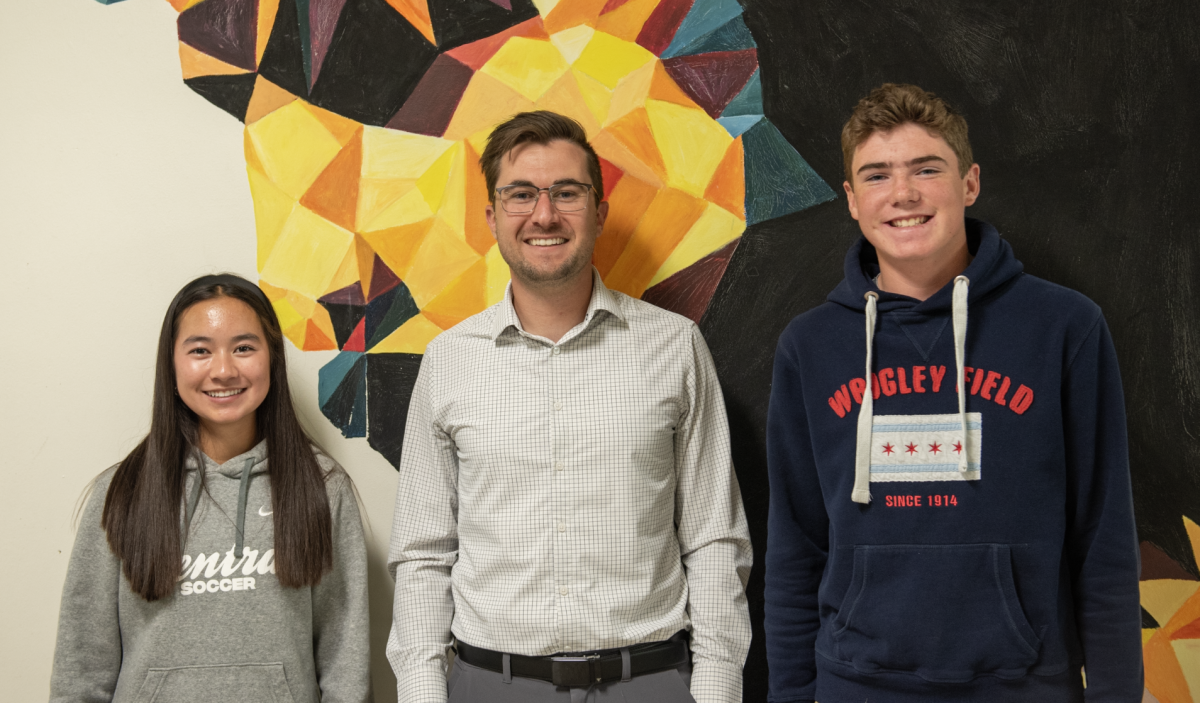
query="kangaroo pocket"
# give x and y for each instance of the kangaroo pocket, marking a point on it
(947, 613)
(228, 683)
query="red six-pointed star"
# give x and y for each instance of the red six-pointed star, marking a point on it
(958, 447)
(911, 449)
(888, 448)
(935, 447)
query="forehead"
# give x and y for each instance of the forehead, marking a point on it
(219, 317)
(543, 163)
(903, 143)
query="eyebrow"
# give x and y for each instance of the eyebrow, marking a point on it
(561, 181)
(248, 337)
(914, 162)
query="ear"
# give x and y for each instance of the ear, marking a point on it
(971, 185)
(601, 215)
(850, 201)
(490, 212)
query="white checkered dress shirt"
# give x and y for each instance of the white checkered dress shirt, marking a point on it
(569, 497)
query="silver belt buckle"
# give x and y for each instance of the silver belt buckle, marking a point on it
(573, 672)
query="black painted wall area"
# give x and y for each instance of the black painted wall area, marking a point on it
(1084, 119)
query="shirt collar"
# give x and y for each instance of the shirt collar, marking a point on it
(602, 300)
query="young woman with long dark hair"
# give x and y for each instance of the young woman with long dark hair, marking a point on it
(271, 601)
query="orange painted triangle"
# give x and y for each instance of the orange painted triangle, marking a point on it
(197, 63)
(663, 87)
(572, 14)
(252, 160)
(267, 98)
(634, 133)
(728, 185)
(315, 339)
(1164, 676)
(334, 195)
(1188, 632)
(343, 129)
(366, 261)
(477, 53)
(478, 234)
(464, 297)
(417, 14)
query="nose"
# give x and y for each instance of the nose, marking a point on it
(906, 190)
(222, 366)
(544, 213)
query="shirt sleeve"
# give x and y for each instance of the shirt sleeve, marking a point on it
(714, 539)
(424, 548)
(797, 539)
(1102, 539)
(341, 620)
(87, 655)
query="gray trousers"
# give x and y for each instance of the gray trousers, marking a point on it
(470, 684)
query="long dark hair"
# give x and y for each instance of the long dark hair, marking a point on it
(144, 501)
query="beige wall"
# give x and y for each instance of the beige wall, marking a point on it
(118, 184)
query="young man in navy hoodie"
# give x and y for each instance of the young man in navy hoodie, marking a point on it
(951, 517)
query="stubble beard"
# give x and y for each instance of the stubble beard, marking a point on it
(531, 275)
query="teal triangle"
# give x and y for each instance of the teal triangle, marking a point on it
(778, 180)
(749, 101)
(734, 35)
(331, 375)
(738, 124)
(706, 16)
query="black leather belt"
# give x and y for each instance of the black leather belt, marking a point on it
(582, 669)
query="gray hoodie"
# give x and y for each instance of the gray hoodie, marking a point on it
(230, 631)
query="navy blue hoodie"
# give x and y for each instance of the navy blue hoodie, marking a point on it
(996, 553)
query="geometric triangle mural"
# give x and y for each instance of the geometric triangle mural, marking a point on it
(364, 124)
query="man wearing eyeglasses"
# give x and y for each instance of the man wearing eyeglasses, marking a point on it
(567, 516)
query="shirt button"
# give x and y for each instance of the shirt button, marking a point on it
(562, 591)
(558, 405)
(558, 466)
(562, 526)
(556, 351)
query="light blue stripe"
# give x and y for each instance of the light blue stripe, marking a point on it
(918, 468)
(941, 427)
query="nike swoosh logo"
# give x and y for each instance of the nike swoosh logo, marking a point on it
(266, 514)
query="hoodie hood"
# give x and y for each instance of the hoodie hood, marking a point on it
(992, 267)
(241, 467)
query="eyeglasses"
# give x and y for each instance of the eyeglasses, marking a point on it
(564, 197)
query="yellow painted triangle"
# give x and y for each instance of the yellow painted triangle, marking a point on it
(410, 338)
(630, 93)
(486, 103)
(498, 276)
(195, 63)
(528, 66)
(1147, 633)
(434, 181)
(1193, 533)
(443, 257)
(408, 210)
(596, 95)
(272, 208)
(453, 209)
(251, 153)
(545, 7)
(715, 229)
(1162, 598)
(565, 98)
(289, 319)
(571, 42)
(308, 254)
(392, 154)
(1188, 654)
(691, 143)
(294, 147)
(609, 59)
(343, 129)
(348, 271)
(375, 195)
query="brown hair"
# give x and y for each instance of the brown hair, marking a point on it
(142, 507)
(538, 127)
(893, 104)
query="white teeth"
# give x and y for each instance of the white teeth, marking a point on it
(547, 242)
(223, 394)
(910, 221)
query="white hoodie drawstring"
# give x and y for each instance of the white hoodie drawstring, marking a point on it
(862, 453)
(959, 315)
(866, 413)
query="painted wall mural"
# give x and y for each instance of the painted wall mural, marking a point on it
(364, 121)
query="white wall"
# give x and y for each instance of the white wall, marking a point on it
(118, 185)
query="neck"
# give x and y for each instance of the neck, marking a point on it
(921, 279)
(551, 310)
(223, 443)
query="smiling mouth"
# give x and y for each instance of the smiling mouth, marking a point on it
(224, 394)
(554, 241)
(910, 221)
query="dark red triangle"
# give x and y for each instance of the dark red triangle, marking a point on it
(660, 27)
(382, 279)
(224, 29)
(713, 80)
(322, 20)
(612, 5)
(432, 103)
(611, 174)
(358, 338)
(1157, 565)
(689, 291)
(350, 295)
